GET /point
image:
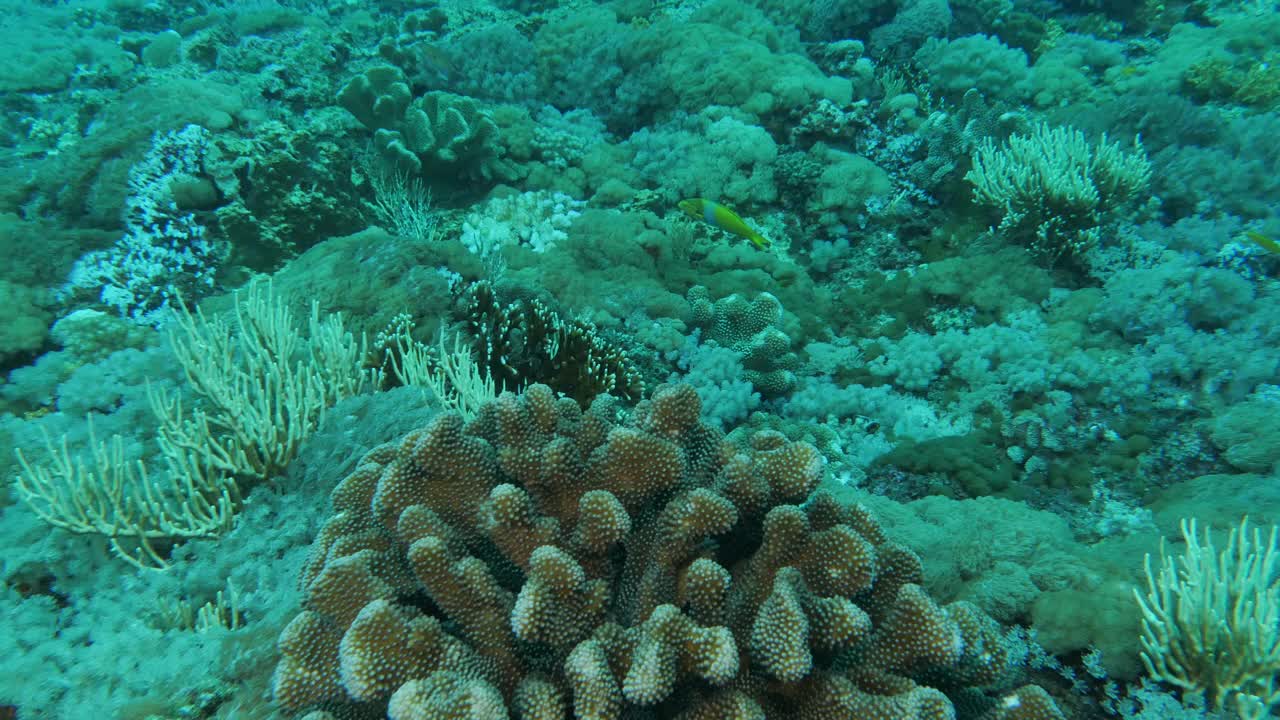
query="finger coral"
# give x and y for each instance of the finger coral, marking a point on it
(543, 561)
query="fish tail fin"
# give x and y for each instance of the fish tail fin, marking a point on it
(758, 240)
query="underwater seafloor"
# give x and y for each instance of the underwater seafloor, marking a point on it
(720, 359)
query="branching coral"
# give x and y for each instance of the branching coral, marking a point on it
(263, 388)
(1053, 188)
(118, 500)
(545, 562)
(1209, 620)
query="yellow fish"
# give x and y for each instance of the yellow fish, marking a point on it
(713, 213)
(1263, 241)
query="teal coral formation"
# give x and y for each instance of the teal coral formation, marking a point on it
(1021, 298)
(542, 560)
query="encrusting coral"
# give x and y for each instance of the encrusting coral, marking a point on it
(547, 562)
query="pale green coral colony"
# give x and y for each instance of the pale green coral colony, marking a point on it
(428, 360)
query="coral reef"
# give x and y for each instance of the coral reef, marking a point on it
(164, 254)
(1053, 189)
(1025, 250)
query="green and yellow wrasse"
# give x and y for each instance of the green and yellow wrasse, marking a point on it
(1263, 241)
(713, 213)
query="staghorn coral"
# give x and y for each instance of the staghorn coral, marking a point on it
(1054, 189)
(547, 562)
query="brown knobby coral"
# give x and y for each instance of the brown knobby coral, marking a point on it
(544, 562)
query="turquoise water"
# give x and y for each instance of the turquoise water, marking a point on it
(737, 358)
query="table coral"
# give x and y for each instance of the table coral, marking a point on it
(543, 561)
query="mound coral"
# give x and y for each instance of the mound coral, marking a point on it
(543, 561)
